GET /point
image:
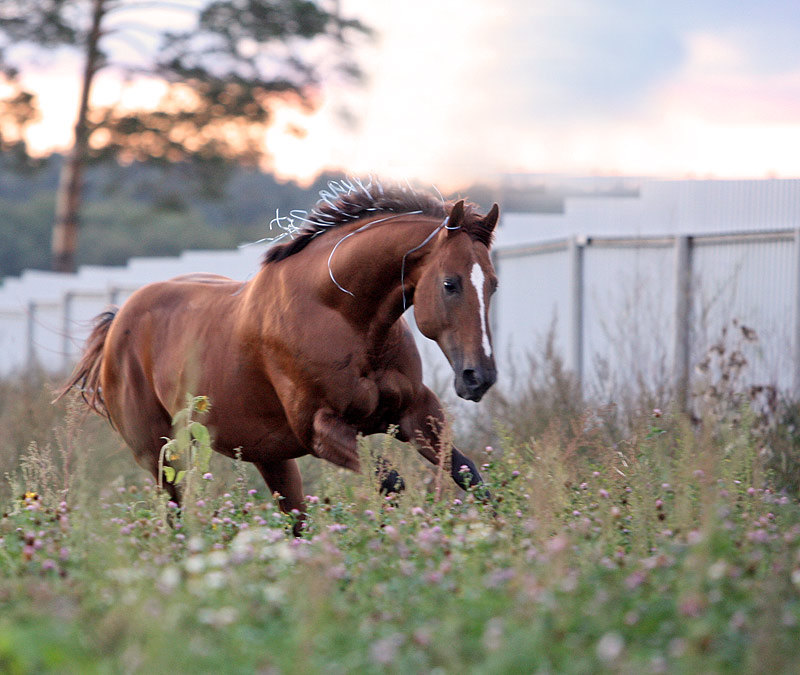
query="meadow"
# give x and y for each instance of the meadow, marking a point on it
(634, 542)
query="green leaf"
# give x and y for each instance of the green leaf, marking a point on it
(200, 433)
(203, 457)
(180, 476)
(169, 474)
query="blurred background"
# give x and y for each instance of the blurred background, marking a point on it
(221, 111)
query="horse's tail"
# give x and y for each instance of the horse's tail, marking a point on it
(86, 376)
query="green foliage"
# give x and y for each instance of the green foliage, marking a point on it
(666, 550)
(192, 444)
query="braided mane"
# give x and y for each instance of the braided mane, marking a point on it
(349, 200)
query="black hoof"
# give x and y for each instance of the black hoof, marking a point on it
(392, 483)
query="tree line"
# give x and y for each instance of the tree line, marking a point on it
(223, 73)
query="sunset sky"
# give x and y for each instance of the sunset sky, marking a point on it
(463, 91)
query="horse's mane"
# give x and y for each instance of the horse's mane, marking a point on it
(349, 200)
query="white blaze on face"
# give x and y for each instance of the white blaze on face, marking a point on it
(478, 280)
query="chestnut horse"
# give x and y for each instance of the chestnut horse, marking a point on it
(313, 350)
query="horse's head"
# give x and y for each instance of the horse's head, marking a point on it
(451, 299)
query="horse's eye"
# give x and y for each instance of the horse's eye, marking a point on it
(450, 285)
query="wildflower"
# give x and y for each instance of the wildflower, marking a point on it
(634, 580)
(557, 544)
(609, 647)
(224, 616)
(514, 474)
(489, 449)
(208, 476)
(657, 412)
(312, 499)
(168, 579)
(603, 493)
(417, 511)
(493, 634)
(384, 651)
(201, 403)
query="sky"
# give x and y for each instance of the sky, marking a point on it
(461, 92)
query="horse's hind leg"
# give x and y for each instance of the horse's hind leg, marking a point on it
(284, 478)
(148, 458)
(145, 435)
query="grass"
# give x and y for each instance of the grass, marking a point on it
(667, 549)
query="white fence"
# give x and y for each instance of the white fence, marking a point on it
(644, 312)
(46, 316)
(635, 289)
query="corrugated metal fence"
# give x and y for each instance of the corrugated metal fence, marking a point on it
(642, 313)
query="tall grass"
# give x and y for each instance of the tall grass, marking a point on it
(657, 545)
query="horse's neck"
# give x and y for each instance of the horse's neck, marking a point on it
(370, 271)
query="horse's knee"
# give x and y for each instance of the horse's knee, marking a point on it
(335, 440)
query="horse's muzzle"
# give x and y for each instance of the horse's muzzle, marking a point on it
(472, 383)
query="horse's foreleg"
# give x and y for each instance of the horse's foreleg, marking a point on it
(335, 440)
(423, 425)
(284, 478)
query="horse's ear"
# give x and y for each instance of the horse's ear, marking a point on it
(483, 229)
(456, 217)
(490, 219)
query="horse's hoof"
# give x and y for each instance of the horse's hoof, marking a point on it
(392, 483)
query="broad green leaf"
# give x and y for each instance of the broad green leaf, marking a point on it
(200, 433)
(169, 474)
(203, 457)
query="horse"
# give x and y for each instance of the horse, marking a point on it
(313, 350)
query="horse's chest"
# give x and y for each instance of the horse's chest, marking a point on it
(380, 396)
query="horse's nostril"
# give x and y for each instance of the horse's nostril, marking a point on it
(470, 378)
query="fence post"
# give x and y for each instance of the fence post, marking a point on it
(680, 366)
(67, 329)
(796, 322)
(575, 252)
(30, 355)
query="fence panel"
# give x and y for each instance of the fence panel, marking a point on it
(628, 316)
(533, 298)
(749, 279)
